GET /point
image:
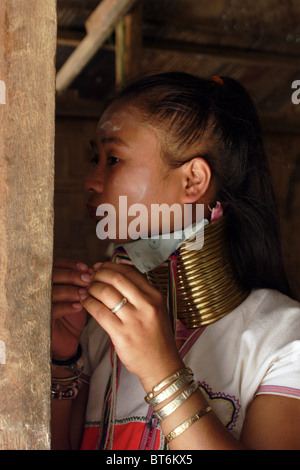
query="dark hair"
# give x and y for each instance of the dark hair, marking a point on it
(220, 119)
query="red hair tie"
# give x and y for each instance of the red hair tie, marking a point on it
(217, 79)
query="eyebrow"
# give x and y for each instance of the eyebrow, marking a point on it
(107, 139)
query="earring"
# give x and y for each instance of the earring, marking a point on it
(216, 212)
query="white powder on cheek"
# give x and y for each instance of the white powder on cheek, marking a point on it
(136, 186)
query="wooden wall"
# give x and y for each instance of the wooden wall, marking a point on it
(75, 233)
(284, 156)
(27, 53)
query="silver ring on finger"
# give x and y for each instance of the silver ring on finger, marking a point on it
(119, 305)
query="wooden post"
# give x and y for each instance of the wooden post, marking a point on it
(129, 45)
(27, 116)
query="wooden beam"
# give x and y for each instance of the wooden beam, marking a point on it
(68, 37)
(129, 45)
(228, 54)
(99, 26)
(27, 58)
(224, 53)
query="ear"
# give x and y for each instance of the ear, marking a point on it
(197, 178)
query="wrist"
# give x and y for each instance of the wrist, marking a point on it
(72, 366)
(157, 376)
(66, 374)
(68, 360)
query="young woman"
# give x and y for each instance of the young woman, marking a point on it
(187, 347)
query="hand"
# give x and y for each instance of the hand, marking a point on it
(141, 330)
(68, 315)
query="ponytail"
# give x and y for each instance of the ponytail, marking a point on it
(245, 185)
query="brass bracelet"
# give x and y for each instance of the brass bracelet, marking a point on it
(186, 424)
(162, 413)
(173, 388)
(166, 381)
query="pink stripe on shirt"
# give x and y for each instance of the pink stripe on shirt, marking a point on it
(279, 390)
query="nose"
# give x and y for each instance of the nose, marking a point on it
(93, 183)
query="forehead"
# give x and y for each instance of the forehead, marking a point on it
(123, 123)
(117, 115)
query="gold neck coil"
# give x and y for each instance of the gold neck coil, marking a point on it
(207, 285)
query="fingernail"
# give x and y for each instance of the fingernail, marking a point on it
(77, 306)
(97, 265)
(83, 297)
(86, 277)
(82, 266)
(82, 291)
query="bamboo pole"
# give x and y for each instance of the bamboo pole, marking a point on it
(120, 54)
(129, 45)
(99, 26)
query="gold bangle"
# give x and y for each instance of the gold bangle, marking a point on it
(171, 390)
(164, 412)
(166, 381)
(186, 424)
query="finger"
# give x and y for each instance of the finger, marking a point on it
(121, 283)
(71, 277)
(61, 293)
(109, 322)
(62, 309)
(129, 272)
(97, 265)
(106, 294)
(70, 264)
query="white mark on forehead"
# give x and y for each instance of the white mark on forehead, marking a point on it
(114, 120)
(110, 126)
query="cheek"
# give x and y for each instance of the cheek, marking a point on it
(136, 186)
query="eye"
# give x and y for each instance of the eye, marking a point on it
(111, 160)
